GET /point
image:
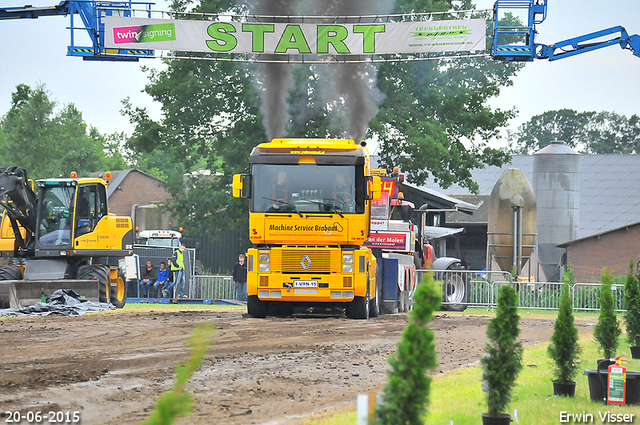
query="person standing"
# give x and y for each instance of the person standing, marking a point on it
(240, 278)
(177, 266)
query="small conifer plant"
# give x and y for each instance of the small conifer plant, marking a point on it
(178, 400)
(502, 359)
(564, 348)
(406, 394)
(607, 330)
(632, 305)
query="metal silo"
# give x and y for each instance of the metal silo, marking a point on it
(556, 181)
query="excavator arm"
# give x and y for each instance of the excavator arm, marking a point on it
(20, 204)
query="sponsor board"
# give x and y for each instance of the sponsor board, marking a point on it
(295, 38)
(392, 241)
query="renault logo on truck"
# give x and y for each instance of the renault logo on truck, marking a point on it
(305, 262)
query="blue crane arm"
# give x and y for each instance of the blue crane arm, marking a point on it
(585, 43)
(31, 12)
(514, 40)
(91, 13)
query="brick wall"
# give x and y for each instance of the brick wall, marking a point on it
(613, 250)
(137, 188)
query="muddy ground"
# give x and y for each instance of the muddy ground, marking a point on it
(111, 367)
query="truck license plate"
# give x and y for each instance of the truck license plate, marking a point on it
(305, 283)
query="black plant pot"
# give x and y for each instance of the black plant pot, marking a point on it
(603, 364)
(564, 389)
(635, 352)
(597, 385)
(598, 381)
(503, 419)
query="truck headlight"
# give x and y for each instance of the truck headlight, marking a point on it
(263, 267)
(347, 268)
(347, 258)
(264, 258)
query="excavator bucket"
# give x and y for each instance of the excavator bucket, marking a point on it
(20, 293)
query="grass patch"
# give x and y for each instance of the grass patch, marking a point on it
(526, 313)
(457, 396)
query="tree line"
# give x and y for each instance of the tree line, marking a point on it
(588, 132)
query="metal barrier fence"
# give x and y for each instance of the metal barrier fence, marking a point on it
(213, 288)
(585, 296)
(480, 289)
(468, 287)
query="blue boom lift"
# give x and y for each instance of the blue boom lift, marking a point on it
(91, 13)
(517, 42)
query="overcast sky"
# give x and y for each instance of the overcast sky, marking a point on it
(34, 51)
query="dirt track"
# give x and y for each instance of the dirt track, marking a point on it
(111, 367)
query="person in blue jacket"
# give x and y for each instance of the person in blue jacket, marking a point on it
(163, 278)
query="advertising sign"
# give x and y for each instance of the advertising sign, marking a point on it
(295, 38)
(398, 241)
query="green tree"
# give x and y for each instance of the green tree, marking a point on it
(49, 143)
(406, 394)
(609, 132)
(502, 359)
(28, 123)
(588, 132)
(607, 330)
(564, 124)
(75, 149)
(564, 347)
(632, 306)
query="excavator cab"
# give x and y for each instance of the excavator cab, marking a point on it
(55, 216)
(69, 209)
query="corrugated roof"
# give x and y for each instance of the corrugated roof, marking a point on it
(609, 189)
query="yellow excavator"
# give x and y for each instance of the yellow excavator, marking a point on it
(63, 237)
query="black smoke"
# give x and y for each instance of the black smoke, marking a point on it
(348, 90)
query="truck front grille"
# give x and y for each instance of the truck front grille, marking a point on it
(306, 261)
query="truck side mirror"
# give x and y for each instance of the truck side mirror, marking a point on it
(407, 210)
(241, 183)
(376, 188)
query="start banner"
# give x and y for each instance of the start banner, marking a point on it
(295, 38)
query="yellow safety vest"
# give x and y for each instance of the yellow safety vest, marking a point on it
(179, 260)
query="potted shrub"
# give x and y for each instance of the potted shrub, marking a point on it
(606, 332)
(564, 347)
(502, 360)
(632, 315)
(406, 394)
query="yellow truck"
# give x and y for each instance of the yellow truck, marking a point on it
(310, 214)
(63, 237)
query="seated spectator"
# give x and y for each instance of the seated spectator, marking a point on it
(163, 279)
(148, 278)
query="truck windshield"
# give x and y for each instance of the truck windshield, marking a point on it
(308, 188)
(56, 216)
(164, 242)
